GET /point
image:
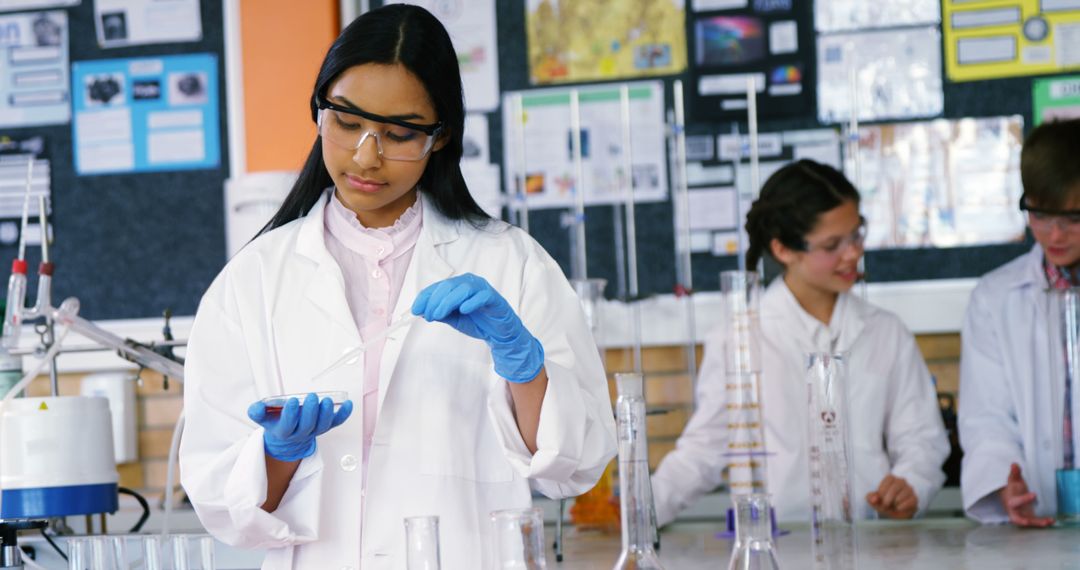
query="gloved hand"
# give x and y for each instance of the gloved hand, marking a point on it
(471, 305)
(290, 435)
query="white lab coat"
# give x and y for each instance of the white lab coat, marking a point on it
(896, 422)
(1011, 386)
(446, 442)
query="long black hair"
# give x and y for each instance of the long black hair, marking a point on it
(396, 34)
(789, 205)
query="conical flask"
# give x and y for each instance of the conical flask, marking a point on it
(634, 486)
(422, 543)
(753, 548)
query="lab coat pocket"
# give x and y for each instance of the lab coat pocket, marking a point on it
(458, 438)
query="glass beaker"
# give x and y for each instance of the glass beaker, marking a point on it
(635, 489)
(745, 453)
(1064, 305)
(829, 441)
(753, 548)
(422, 543)
(591, 294)
(518, 535)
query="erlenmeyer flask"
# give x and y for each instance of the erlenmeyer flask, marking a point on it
(422, 543)
(635, 491)
(519, 539)
(829, 452)
(753, 548)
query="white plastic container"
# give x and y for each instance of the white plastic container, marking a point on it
(56, 457)
(119, 389)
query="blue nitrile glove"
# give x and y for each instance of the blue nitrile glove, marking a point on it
(471, 305)
(290, 435)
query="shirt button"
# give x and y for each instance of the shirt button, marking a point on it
(376, 274)
(349, 462)
(381, 251)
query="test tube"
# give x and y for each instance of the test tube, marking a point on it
(829, 441)
(519, 539)
(206, 553)
(422, 543)
(180, 544)
(1065, 327)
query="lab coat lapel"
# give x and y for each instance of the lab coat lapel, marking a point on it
(326, 289)
(426, 267)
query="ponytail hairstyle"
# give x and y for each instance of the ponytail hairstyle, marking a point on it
(406, 35)
(790, 203)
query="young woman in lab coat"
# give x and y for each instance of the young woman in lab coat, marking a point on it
(496, 392)
(1010, 415)
(807, 218)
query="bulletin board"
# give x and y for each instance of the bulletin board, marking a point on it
(130, 244)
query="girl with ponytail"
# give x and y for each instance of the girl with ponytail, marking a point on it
(807, 219)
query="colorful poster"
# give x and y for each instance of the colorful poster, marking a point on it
(943, 183)
(146, 114)
(472, 28)
(12, 5)
(991, 39)
(1056, 99)
(851, 15)
(887, 74)
(573, 41)
(546, 162)
(752, 46)
(34, 74)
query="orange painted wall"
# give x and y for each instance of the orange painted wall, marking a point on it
(283, 43)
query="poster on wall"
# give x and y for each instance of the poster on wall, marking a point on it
(851, 15)
(1056, 99)
(763, 44)
(549, 171)
(34, 77)
(991, 39)
(942, 183)
(146, 114)
(571, 41)
(12, 5)
(471, 26)
(897, 74)
(122, 23)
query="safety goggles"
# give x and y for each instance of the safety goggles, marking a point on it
(1043, 219)
(395, 139)
(835, 247)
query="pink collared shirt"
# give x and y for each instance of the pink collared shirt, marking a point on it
(373, 262)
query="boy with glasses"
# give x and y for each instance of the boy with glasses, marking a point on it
(1010, 419)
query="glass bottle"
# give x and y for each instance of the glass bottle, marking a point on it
(753, 548)
(422, 543)
(1064, 305)
(635, 491)
(829, 441)
(519, 539)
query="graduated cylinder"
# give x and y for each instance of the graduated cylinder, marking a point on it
(741, 294)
